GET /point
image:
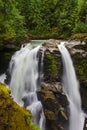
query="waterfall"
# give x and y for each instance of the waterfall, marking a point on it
(24, 72)
(71, 89)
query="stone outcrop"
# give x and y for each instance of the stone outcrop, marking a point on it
(55, 106)
(51, 94)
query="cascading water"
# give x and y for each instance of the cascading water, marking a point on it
(24, 82)
(71, 89)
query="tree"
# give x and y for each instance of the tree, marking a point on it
(83, 11)
(31, 10)
(11, 22)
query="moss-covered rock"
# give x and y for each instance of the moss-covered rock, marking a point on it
(51, 62)
(12, 116)
(53, 99)
(81, 68)
(79, 36)
(50, 66)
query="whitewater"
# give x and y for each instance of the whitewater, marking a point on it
(71, 89)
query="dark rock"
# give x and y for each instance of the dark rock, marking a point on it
(55, 106)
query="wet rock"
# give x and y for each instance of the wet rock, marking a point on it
(55, 106)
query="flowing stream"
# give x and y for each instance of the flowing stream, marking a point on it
(71, 89)
(24, 82)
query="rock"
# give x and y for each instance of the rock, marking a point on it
(54, 100)
(55, 106)
(51, 45)
(51, 62)
(50, 115)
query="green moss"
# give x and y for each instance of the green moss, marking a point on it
(12, 116)
(4, 92)
(27, 117)
(81, 69)
(34, 127)
(80, 36)
(28, 121)
(50, 66)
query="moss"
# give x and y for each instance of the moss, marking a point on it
(34, 127)
(12, 116)
(27, 118)
(50, 66)
(80, 36)
(81, 68)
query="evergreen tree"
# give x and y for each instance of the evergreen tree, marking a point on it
(41, 17)
(11, 22)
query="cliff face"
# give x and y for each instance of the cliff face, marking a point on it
(55, 104)
(51, 94)
(12, 116)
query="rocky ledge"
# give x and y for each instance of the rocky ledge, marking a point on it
(54, 101)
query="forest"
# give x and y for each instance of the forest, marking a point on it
(41, 19)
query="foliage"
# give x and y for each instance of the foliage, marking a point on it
(45, 18)
(11, 22)
(80, 28)
(53, 18)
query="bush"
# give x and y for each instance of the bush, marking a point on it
(80, 28)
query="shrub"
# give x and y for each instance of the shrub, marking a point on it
(80, 27)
